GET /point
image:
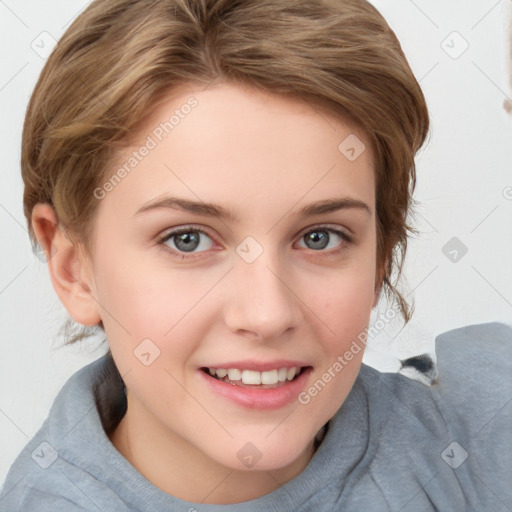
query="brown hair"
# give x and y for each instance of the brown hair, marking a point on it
(119, 58)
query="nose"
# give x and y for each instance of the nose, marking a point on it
(262, 303)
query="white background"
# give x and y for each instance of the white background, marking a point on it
(463, 175)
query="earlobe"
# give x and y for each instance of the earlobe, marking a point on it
(69, 269)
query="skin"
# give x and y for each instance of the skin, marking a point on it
(265, 157)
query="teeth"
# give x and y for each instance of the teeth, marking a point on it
(281, 374)
(254, 377)
(234, 374)
(270, 377)
(251, 377)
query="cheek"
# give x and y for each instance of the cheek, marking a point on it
(344, 308)
(344, 303)
(132, 294)
(347, 309)
(141, 291)
(141, 300)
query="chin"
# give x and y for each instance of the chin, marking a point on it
(262, 454)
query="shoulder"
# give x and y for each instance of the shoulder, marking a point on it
(52, 472)
(489, 340)
(473, 384)
(475, 376)
(32, 483)
(449, 442)
(475, 361)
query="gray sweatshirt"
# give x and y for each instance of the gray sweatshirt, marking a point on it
(394, 445)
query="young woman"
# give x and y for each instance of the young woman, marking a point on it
(223, 187)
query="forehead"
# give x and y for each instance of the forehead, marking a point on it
(241, 142)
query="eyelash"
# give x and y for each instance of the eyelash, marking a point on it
(188, 229)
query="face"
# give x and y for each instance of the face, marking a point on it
(278, 283)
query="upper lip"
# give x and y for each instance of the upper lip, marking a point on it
(259, 366)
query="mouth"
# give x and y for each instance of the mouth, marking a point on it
(244, 378)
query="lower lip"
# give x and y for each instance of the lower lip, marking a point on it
(254, 398)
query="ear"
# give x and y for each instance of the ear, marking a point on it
(70, 270)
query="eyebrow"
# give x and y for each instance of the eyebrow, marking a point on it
(213, 210)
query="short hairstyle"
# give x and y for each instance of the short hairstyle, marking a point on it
(121, 58)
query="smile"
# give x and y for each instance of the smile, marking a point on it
(269, 389)
(272, 378)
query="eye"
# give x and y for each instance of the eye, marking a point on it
(189, 239)
(320, 238)
(186, 240)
